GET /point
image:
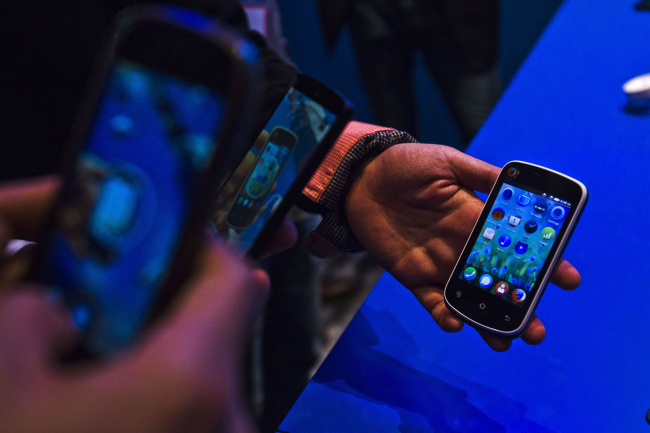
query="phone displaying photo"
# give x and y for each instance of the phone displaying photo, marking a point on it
(514, 247)
(262, 178)
(288, 150)
(155, 137)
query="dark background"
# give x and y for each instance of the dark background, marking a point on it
(522, 21)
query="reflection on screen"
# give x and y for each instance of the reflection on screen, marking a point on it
(121, 216)
(514, 243)
(269, 169)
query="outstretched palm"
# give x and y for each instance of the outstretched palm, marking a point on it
(413, 208)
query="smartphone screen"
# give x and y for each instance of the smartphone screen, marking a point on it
(262, 178)
(511, 254)
(514, 242)
(122, 212)
(260, 184)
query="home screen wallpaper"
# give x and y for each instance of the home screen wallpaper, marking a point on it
(514, 242)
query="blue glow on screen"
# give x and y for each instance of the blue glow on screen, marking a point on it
(514, 243)
(121, 216)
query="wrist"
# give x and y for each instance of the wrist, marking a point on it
(328, 189)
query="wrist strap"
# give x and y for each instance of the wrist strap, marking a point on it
(326, 189)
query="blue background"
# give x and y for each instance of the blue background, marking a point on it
(394, 370)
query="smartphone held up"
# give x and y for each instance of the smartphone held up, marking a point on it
(514, 248)
(267, 183)
(164, 123)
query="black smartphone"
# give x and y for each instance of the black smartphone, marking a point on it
(164, 124)
(278, 165)
(516, 243)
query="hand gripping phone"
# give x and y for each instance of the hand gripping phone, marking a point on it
(285, 155)
(162, 128)
(512, 252)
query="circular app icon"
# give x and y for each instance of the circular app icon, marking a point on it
(498, 214)
(540, 206)
(548, 233)
(485, 281)
(512, 172)
(557, 213)
(518, 295)
(504, 240)
(530, 226)
(507, 193)
(501, 288)
(469, 273)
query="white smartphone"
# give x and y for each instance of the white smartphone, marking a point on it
(514, 248)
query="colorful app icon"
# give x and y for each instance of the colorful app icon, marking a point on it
(521, 248)
(502, 288)
(469, 273)
(514, 220)
(504, 240)
(523, 200)
(548, 233)
(540, 206)
(518, 295)
(498, 214)
(530, 226)
(558, 212)
(488, 234)
(507, 194)
(485, 281)
(512, 172)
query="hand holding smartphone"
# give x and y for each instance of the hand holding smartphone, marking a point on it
(164, 124)
(514, 247)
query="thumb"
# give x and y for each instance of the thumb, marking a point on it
(223, 296)
(471, 172)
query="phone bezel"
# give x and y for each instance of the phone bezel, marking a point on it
(499, 315)
(333, 102)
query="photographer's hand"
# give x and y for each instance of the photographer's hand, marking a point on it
(182, 376)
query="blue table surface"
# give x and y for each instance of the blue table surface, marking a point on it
(393, 370)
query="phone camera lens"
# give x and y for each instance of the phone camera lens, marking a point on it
(512, 172)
